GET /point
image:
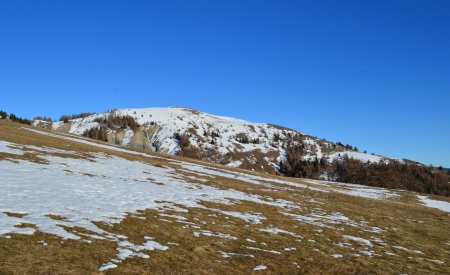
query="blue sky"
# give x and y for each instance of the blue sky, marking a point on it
(375, 74)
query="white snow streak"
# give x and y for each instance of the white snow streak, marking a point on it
(442, 205)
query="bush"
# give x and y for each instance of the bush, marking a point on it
(183, 140)
(276, 137)
(14, 118)
(3, 114)
(43, 118)
(66, 118)
(117, 122)
(242, 138)
(194, 152)
(99, 133)
(190, 151)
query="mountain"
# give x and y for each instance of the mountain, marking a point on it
(230, 141)
(73, 205)
(253, 146)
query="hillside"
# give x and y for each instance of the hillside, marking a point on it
(237, 143)
(74, 205)
(253, 146)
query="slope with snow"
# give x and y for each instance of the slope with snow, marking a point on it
(263, 151)
(68, 194)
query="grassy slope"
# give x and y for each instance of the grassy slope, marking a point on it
(407, 224)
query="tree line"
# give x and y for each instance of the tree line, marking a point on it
(66, 118)
(43, 118)
(390, 174)
(117, 122)
(14, 118)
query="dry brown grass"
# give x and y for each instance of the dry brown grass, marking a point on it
(406, 222)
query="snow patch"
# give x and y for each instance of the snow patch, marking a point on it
(5, 147)
(441, 205)
(259, 267)
(359, 240)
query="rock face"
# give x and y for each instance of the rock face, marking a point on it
(230, 141)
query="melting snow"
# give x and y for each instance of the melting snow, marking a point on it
(358, 190)
(442, 205)
(356, 155)
(437, 261)
(127, 250)
(359, 240)
(254, 218)
(260, 267)
(264, 250)
(214, 234)
(406, 249)
(94, 192)
(275, 230)
(107, 266)
(229, 255)
(5, 147)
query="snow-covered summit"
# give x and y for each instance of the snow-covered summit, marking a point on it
(172, 114)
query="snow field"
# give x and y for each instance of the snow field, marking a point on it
(85, 191)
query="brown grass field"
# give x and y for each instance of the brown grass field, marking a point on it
(304, 247)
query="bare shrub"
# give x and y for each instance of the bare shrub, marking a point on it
(116, 122)
(43, 118)
(99, 133)
(242, 138)
(74, 116)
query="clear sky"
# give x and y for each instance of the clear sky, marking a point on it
(375, 74)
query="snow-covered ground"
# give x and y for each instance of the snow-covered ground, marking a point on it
(442, 205)
(91, 185)
(181, 120)
(357, 155)
(358, 190)
(81, 191)
(106, 188)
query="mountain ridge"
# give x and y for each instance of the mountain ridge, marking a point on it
(260, 147)
(266, 137)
